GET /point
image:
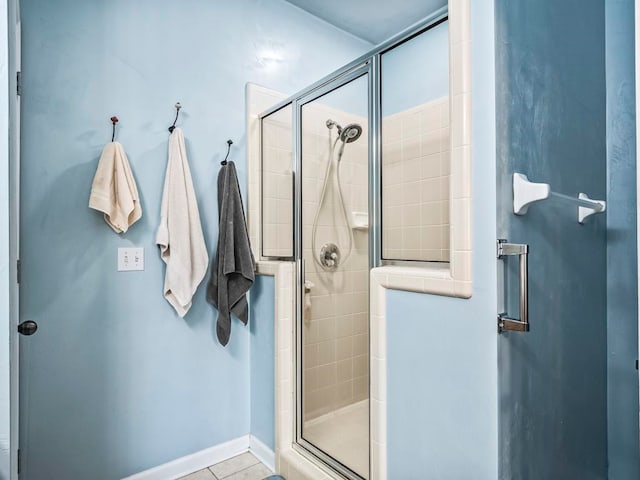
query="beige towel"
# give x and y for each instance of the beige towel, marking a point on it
(180, 237)
(114, 190)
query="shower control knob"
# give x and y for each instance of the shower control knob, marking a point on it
(330, 256)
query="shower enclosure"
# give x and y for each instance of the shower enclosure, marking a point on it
(354, 174)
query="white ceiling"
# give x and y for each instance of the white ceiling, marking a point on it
(371, 20)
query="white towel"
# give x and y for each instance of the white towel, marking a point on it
(180, 237)
(114, 190)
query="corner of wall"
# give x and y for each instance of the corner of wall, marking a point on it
(622, 260)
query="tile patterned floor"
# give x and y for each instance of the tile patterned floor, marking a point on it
(242, 467)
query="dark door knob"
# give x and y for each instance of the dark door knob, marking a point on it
(28, 327)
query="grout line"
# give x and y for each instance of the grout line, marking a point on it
(257, 461)
(247, 468)
(238, 471)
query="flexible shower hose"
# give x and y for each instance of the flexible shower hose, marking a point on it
(316, 255)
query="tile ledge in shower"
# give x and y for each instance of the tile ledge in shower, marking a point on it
(434, 279)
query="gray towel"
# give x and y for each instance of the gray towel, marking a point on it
(232, 273)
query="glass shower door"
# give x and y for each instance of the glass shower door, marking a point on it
(334, 329)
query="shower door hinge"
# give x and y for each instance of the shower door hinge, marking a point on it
(19, 83)
(18, 271)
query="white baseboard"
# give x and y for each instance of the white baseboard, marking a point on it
(199, 460)
(262, 452)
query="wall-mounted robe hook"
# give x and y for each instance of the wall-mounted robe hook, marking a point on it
(229, 143)
(173, 127)
(114, 120)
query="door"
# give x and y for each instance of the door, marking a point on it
(553, 378)
(9, 314)
(333, 326)
(637, 108)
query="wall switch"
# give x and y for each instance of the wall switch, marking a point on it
(130, 259)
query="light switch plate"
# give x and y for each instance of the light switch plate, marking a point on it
(130, 259)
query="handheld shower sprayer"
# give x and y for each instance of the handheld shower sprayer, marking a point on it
(330, 256)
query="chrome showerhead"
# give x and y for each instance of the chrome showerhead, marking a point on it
(350, 133)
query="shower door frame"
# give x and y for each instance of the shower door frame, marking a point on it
(367, 65)
(365, 69)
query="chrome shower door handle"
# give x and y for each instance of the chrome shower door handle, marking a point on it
(506, 323)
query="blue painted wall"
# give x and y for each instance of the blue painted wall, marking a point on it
(416, 72)
(262, 353)
(351, 98)
(114, 382)
(551, 115)
(442, 379)
(622, 279)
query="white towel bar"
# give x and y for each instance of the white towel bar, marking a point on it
(525, 193)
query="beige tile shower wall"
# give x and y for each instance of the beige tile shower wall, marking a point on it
(415, 180)
(277, 185)
(336, 330)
